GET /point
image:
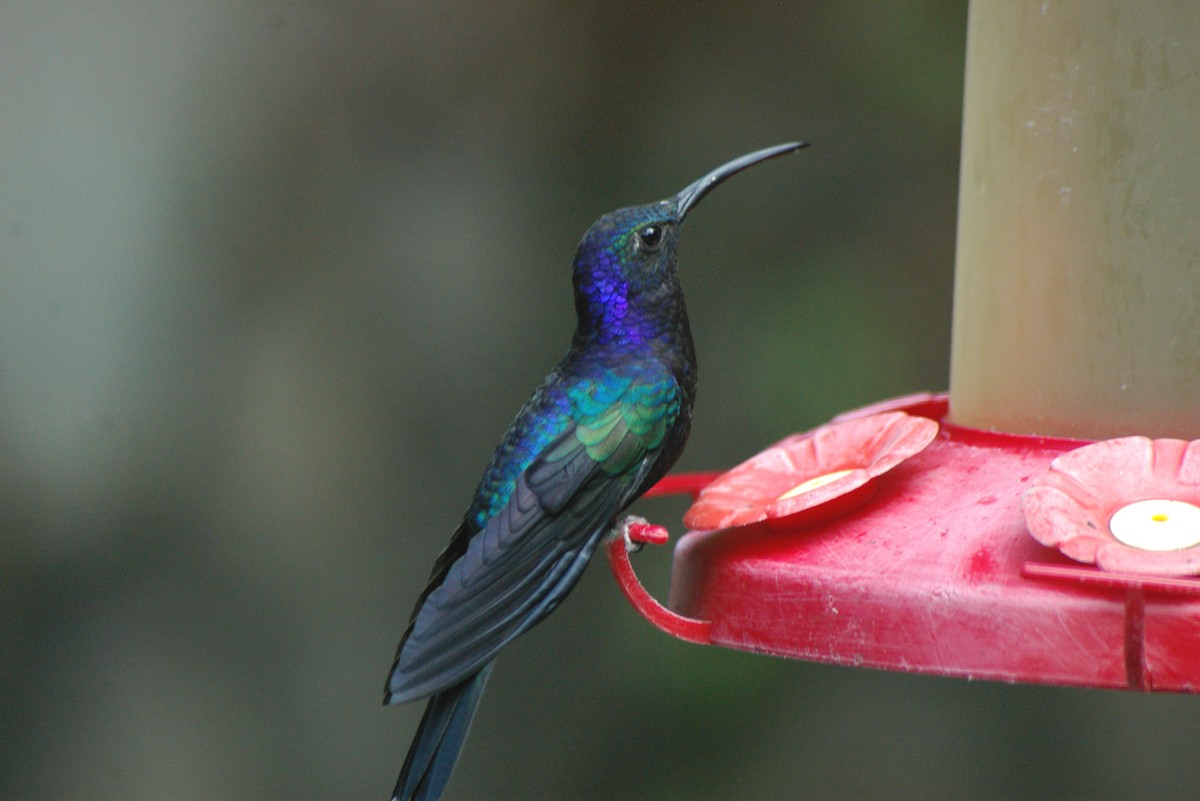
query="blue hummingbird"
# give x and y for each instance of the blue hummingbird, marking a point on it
(606, 424)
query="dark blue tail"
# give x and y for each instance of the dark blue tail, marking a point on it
(439, 738)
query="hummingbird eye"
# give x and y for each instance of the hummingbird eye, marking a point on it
(650, 237)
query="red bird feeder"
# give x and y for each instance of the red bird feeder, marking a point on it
(1025, 527)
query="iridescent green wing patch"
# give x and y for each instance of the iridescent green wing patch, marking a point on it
(619, 419)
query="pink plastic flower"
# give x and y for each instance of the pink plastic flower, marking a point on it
(1130, 504)
(828, 470)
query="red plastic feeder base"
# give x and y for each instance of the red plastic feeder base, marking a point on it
(937, 574)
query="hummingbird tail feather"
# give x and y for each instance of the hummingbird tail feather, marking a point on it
(439, 739)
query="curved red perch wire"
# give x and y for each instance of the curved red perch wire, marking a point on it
(639, 531)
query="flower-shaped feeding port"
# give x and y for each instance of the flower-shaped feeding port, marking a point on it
(1130, 504)
(814, 476)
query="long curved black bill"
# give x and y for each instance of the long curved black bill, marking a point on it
(690, 196)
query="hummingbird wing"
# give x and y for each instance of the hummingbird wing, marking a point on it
(494, 583)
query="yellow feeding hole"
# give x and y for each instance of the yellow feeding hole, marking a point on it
(813, 483)
(1159, 524)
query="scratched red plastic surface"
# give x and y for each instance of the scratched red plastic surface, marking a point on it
(937, 574)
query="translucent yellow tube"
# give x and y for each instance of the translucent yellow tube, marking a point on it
(1077, 288)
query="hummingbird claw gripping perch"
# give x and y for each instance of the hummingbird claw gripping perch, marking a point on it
(636, 531)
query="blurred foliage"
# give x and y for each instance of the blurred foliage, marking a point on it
(277, 275)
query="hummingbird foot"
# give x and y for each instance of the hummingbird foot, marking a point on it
(636, 531)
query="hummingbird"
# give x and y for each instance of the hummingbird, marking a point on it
(606, 424)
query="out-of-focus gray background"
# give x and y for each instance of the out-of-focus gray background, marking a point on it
(277, 275)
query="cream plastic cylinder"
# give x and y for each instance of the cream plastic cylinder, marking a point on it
(1077, 284)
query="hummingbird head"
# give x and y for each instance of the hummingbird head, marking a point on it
(624, 265)
(626, 284)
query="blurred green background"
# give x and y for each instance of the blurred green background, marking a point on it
(277, 275)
